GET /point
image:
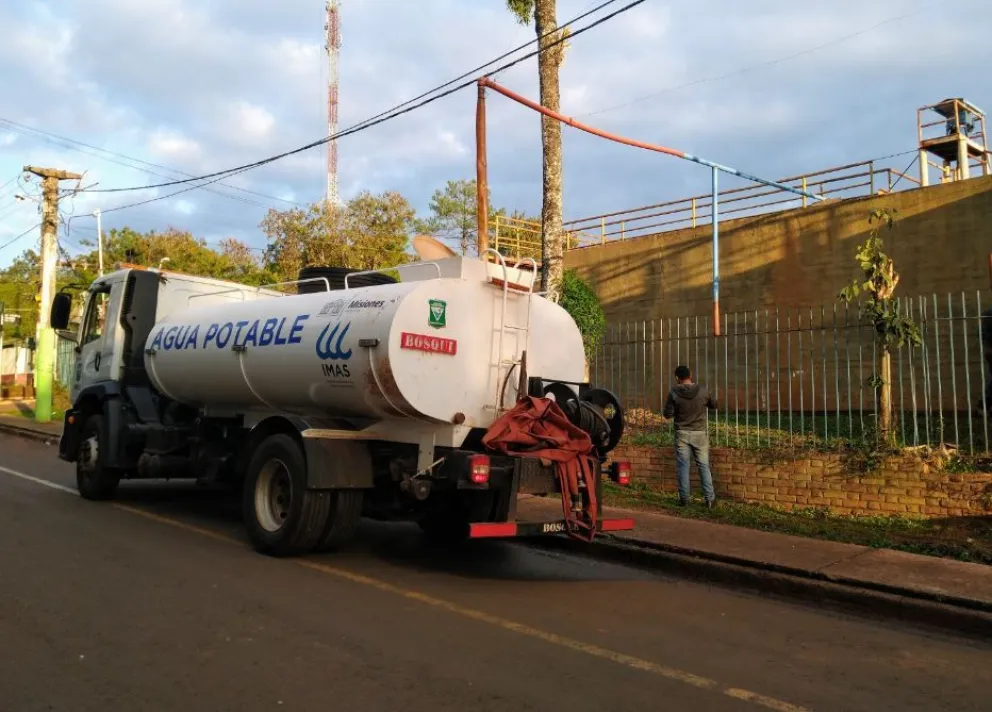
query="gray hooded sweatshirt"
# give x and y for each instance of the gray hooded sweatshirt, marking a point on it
(687, 403)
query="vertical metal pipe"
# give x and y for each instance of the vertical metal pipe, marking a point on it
(902, 390)
(737, 390)
(747, 387)
(985, 404)
(654, 372)
(954, 370)
(940, 381)
(847, 358)
(802, 364)
(967, 373)
(874, 366)
(757, 379)
(861, 371)
(778, 370)
(812, 374)
(645, 391)
(823, 370)
(695, 345)
(726, 379)
(837, 417)
(661, 363)
(921, 307)
(768, 383)
(715, 217)
(912, 381)
(715, 386)
(481, 174)
(788, 335)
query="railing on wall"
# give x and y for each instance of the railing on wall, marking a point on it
(804, 377)
(522, 238)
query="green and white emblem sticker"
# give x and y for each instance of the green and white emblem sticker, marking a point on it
(437, 316)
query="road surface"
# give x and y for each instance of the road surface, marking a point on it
(155, 602)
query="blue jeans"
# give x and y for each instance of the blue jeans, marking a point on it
(697, 444)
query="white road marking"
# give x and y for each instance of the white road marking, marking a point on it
(38, 481)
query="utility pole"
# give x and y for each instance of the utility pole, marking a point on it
(44, 360)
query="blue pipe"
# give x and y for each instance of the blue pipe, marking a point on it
(748, 176)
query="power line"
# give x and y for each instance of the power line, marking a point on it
(752, 67)
(6, 245)
(392, 113)
(4, 186)
(67, 143)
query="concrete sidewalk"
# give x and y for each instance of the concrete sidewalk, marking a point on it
(26, 427)
(885, 572)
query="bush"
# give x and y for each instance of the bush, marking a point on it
(581, 302)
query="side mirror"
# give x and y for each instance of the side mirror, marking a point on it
(61, 308)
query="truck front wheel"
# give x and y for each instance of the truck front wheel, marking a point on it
(282, 516)
(94, 479)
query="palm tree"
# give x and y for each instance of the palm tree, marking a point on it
(543, 14)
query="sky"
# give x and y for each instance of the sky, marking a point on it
(771, 87)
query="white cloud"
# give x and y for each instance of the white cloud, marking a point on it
(255, 121)
(173, 146)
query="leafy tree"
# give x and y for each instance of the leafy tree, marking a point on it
(543, 14)
(233, 260)
(454, 215)
(581, 302)
(369, 232)
(882, 311)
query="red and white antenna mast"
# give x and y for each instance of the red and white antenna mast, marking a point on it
(332, 29)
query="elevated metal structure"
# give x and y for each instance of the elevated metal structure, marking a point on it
(952, 131)
(332, 33)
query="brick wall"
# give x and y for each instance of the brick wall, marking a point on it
(802, 257)
(903, 485)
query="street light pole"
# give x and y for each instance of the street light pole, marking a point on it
(99, 239)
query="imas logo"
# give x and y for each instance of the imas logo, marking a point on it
(329, 349)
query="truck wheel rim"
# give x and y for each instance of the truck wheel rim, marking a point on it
(273, 495)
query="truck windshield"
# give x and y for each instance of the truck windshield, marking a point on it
(96, 316)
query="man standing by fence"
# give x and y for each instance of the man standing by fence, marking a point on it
(687, 403)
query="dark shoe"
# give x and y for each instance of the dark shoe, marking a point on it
(683, 502)
(710, 503)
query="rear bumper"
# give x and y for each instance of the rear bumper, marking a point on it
(506, 530)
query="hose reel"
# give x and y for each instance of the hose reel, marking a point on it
(597, 411)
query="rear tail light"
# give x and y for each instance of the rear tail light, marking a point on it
(620, 473)
(479, 469)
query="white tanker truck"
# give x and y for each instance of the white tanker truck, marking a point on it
(359, 395)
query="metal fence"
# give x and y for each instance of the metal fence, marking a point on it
(804, 377)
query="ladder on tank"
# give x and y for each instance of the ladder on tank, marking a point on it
(510, 363)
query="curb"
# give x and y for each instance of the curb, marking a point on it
(969, 617)
(29, 433)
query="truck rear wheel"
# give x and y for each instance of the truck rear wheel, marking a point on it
(94, 480)
(282, 516)
(342, 518)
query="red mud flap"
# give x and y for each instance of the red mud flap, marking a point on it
(496, 530)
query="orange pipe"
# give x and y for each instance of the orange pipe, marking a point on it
(487, 82)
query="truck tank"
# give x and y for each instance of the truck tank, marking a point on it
(436, 347)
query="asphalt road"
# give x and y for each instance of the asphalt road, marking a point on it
(155, 602)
